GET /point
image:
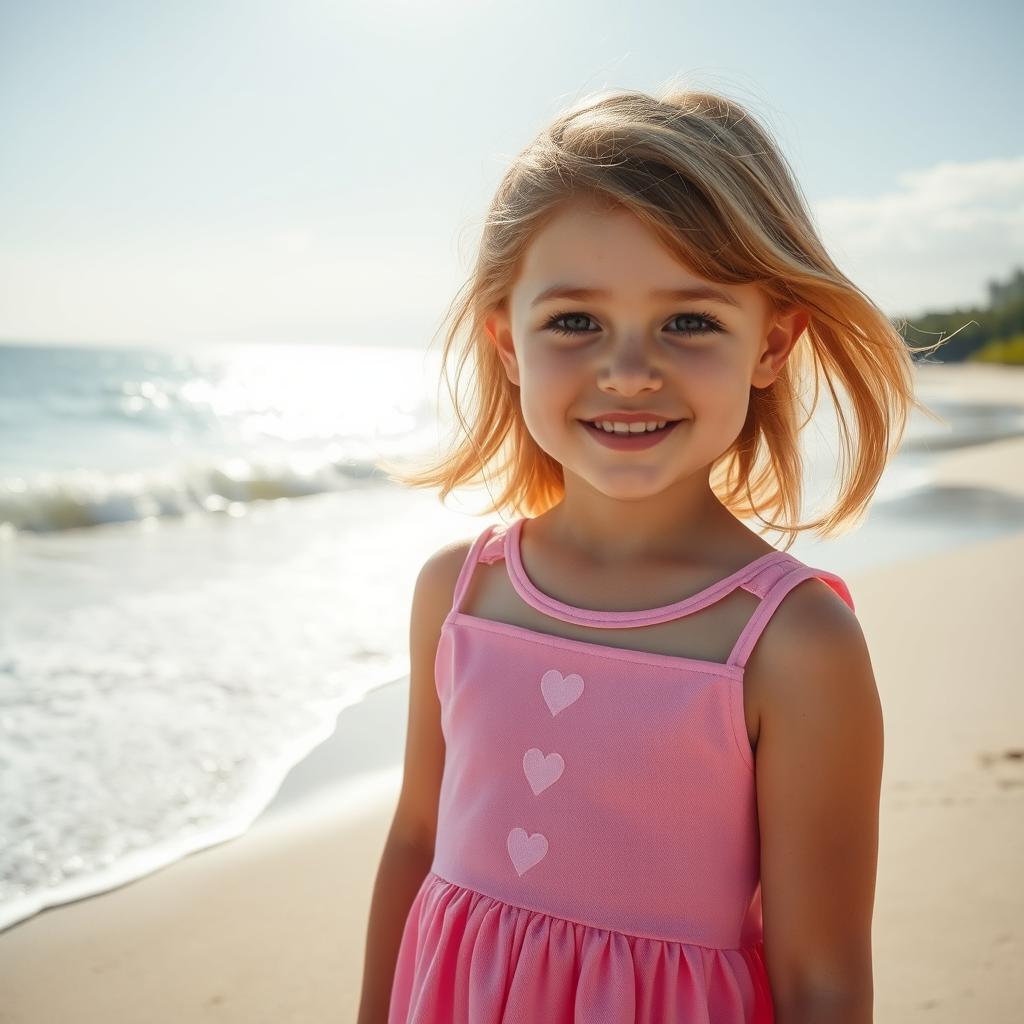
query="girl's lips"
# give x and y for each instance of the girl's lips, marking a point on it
(630, 442)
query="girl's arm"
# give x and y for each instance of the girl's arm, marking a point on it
(818, 776)
(409, 850)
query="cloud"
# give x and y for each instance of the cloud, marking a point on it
(935, 241)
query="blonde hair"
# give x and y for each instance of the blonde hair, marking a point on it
(702, 173)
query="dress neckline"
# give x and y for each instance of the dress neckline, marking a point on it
(535, 597)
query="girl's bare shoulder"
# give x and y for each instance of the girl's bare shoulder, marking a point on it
(813, 639)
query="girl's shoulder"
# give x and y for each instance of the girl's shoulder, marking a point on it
(811, 635)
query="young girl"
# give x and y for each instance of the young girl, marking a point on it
(644, 746)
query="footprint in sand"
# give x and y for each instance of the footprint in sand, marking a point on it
(994, 758)
(1008, 764)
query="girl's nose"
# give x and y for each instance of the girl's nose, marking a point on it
(629, 367)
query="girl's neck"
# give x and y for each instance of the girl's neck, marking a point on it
(614, 532)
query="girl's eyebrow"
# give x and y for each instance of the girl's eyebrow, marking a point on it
(562, 291)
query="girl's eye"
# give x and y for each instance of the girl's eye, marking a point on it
(711, 325)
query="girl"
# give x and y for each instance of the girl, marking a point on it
(644, 746)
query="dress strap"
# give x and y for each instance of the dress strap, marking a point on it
(772, 585)
(481, 550)
(494, 547)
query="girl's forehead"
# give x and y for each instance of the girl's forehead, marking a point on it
(581, 219)
(592, 245)
(607, 253)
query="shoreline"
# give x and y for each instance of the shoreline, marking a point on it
(273, 921)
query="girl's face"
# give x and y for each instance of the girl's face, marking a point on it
(682, 357)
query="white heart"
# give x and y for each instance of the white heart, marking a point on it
(525, 850)
(560, 691)
(542, 771)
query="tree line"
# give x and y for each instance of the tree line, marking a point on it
(992, 333)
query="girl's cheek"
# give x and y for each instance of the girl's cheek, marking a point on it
(555, 370)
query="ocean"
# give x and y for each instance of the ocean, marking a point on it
(202, 565)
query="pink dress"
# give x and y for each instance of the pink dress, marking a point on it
(597, 853)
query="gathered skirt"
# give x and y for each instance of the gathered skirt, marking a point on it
(468, 958)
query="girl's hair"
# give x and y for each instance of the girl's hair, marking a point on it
(701, 172)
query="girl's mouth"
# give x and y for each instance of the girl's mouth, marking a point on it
(630, 441)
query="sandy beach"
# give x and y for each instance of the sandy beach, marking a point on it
(271, 926)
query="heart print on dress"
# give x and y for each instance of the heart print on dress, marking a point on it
(542, 771)
(560, 691)
(526, 851)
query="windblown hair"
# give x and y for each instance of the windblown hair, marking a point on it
(703, 174)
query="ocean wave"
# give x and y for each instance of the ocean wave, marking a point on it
(80, 498)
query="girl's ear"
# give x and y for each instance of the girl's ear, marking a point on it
(778, 343)
(500, 335)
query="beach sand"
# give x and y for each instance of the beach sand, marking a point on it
(271, 926)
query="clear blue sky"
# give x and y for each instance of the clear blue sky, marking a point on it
(310, 170)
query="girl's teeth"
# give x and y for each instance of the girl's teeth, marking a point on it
(630, 428)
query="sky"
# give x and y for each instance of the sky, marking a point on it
(195, 171)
